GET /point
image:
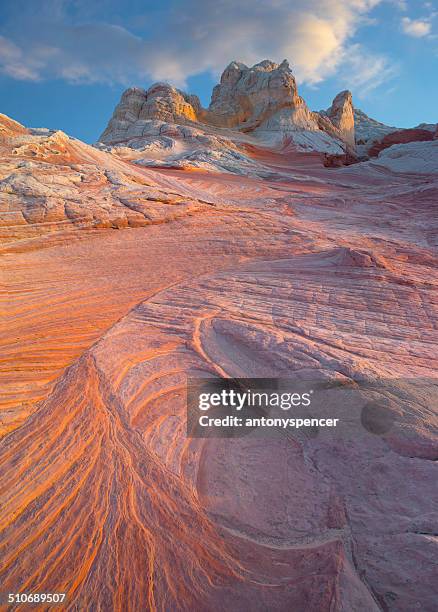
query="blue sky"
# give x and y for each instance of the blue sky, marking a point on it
(65, 63)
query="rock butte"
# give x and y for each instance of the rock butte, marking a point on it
(259, 104)
(238, 253)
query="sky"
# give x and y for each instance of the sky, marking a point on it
(65, 63)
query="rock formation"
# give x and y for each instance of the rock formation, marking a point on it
(341, 114)
(233, 256)
(251, 106)
(367, 129)
(9, 127)
(399, 137)
(264, 96)
(161, 102)
(418, 157)
(260, 102)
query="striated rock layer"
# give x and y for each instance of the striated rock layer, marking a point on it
(119, 281)
(250, 104)
(400, 137)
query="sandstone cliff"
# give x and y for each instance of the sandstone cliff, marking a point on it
(261, 102)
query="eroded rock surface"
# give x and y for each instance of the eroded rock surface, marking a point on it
(341, 114)
(250, 104)
(250, 107)
(286, 268)
(400, 137)
(368, 131)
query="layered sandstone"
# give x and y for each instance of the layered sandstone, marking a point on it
(250, 106)
(400, 137)
(121, 280)
(341, 114)
(9, 127)
(257, 97)
(261, 101)
(161, 102)
(369, 130)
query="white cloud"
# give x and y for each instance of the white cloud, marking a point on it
(12, 63)
(364, 71)
(193, 37)
(416, 27)
(402, 5)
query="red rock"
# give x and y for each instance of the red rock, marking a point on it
(321, 273)
(400, 137)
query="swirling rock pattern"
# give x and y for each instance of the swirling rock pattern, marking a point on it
(312, 271)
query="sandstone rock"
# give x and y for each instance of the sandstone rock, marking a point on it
(341, 115)
(331, 275)
(9, 127)
(359, 258)
(400, 137)
(412, 158)
(51, 183)
(261, 101)
(160, 102)
(367, 129)
(333, 160)
(372, 136)
(246, 97)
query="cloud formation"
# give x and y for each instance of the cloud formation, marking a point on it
(416, 27)
(187, 38)
(365, 71)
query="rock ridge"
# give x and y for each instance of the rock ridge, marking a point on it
(261, 101)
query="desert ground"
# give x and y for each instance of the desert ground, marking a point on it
(120, 280)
